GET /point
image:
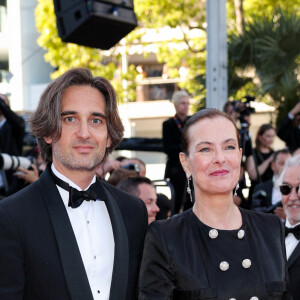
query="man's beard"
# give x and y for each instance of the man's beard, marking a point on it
(79, 165)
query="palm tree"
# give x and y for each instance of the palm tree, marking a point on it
(270, 45)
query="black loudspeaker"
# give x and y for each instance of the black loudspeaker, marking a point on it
(96, 24)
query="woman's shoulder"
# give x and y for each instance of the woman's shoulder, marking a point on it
(173, 224)
(172, 233)
(260, 218)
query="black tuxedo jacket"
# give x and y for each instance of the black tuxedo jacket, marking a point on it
(12, 132)
(171, 139)
(289, 134)
(293, 264)
(39, 255)
(174, 170)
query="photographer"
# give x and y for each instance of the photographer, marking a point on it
(258, 165)
(266, 195)
(108, 166)
(240, 112)
(30, 174)
(289, 130)
(12, 130)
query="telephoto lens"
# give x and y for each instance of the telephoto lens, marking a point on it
(11, 162)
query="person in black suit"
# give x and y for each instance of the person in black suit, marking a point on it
(53, 244)
(289, 182)
(12, 131)
(289, 129)
(215, 250)
(171, 133)
(267, 193)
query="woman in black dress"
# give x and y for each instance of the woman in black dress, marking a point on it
(214, 250)
(258, 164)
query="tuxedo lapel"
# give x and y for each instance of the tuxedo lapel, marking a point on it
(121, 258)
(295, 254)
(71, 260)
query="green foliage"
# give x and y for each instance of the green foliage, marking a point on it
(269, 48)
(188, 49)
(64, 56)
(270, 45)
(157, 13)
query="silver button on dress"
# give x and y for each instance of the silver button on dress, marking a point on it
(246, 263)
(224, 266)
(213, 233)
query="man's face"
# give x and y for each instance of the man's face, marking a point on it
(182, 107)
(148, 195)
(278, 164)
(84, 137)
(291, 202)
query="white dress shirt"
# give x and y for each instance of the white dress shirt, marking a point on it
(276, 194)
(290, 241)
(93, 231)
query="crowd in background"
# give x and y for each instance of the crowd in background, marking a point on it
(261, 165)
(201, 150)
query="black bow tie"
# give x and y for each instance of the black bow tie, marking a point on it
(76, 197)
(294, 230)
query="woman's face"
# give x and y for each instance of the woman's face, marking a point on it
(214, 156)
(267, 138)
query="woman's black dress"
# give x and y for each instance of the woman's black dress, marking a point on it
(259, 158)
(184, 259)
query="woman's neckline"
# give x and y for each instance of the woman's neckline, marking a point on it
(220, 229)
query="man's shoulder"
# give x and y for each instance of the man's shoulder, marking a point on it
(175, 224)
(122, 198)
(23, 203)
(169, 121)
(132, 210)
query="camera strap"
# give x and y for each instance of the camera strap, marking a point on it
(179, 123)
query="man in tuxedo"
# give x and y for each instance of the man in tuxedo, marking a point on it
(289, 181)
(143, 188)
(171, 133)
(53, 244)
(267, 194)
(289, 129)
(12, 131)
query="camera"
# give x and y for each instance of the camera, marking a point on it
(244, 109)
(271, 208)
(134, 167)
(11, 162)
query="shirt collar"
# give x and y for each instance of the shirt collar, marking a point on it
(67, 180)
(288, 224)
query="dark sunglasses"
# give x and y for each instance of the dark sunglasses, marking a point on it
(286, 189)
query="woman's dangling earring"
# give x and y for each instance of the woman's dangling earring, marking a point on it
(236, 188)
(188, 189)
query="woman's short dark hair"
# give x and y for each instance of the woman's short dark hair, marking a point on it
(46, 120)
(207, 113)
